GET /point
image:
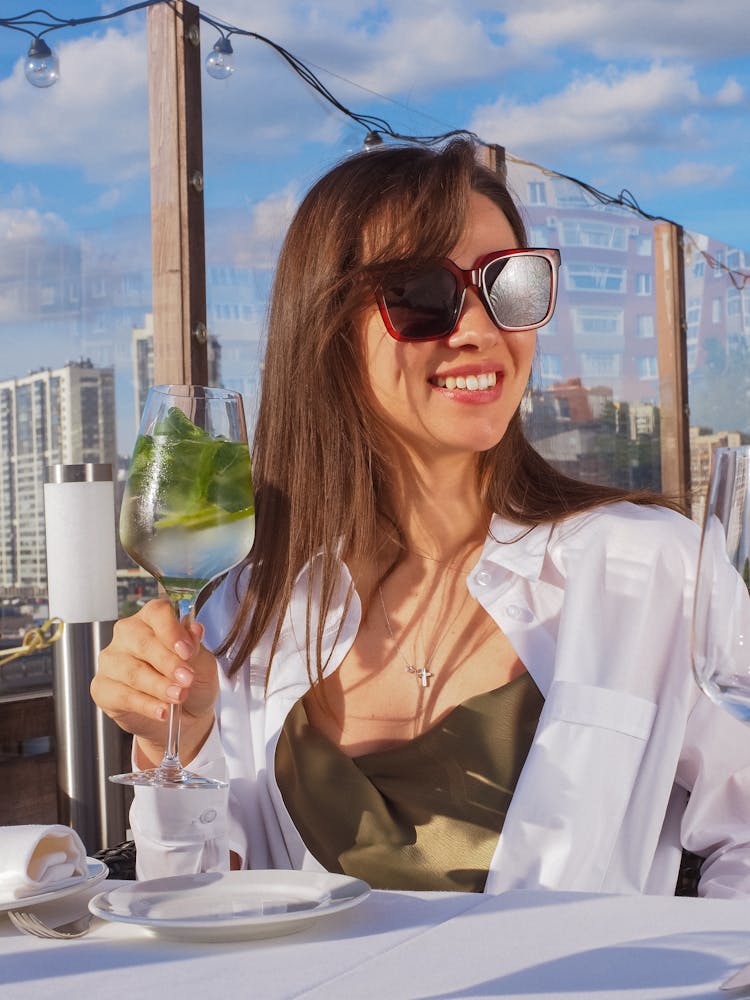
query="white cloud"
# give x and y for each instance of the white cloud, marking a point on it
(23, 224)
(731, 93)
(22, 195)
(94, 122)
(109, 199)
(625, 108)
(251, 238)
(683, 29)
(697, 175)
(94, 118)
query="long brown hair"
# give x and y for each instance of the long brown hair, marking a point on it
(320, 455)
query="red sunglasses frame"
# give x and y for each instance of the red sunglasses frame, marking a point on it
(474, 277)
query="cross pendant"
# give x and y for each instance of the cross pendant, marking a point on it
(422, 674)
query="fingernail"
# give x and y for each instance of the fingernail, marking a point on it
(174, 692)
(161, 714)
(183, 675)
(183, 649)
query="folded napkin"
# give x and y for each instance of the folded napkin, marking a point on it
(39, 858)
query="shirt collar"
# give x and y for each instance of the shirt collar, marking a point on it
(518, 547)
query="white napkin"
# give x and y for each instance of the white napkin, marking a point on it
(38, 858)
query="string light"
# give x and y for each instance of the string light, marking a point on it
(372, 140)
(42, 66)
(219, 62)
(42, 70)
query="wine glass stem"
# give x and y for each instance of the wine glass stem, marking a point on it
(183, 605)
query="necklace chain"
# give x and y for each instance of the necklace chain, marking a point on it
(423, 673)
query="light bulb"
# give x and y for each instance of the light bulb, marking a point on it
(42, 67)
(372, 141)
(219, 63)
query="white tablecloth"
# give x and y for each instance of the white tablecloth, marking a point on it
(408, 946)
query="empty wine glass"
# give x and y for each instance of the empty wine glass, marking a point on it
(187, 516)
(721, 609)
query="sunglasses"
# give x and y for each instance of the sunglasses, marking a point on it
(517, 287)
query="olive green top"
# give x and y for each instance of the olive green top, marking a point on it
(422, 815)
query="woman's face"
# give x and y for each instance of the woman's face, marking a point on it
(408, 380)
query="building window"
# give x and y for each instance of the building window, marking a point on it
(569, 195)
(549, 329)
(644, 246)
(594, 278)
(598, 364)
(537, 193)
(586, 233)
(551, 367)
(644, 284)
(645, 326)
(734, 259)
(716, 311)
(693, 313)
(648, 367)
(598, 321)
(538, 236)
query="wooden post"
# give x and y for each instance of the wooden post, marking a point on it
(493, 156)
(177, 224)
(671, 331)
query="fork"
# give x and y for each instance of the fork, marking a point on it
(29, 923)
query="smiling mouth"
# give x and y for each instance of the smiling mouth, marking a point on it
(471, 382)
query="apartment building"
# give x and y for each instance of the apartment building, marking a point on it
(49, 416)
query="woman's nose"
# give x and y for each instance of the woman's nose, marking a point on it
(475, 327)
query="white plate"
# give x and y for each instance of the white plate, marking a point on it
(229, 906)
(97, 871)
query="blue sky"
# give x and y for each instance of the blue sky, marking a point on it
(651, 96)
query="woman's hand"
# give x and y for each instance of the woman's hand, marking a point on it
(153, 660)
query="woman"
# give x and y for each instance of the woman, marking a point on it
(445, 665)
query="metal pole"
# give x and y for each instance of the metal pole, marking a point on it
(79, 514)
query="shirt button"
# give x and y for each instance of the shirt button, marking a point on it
(483, 578)
(518, 613)
(207, 816)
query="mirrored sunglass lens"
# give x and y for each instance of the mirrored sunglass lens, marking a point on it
(421, 304)
(519, 290)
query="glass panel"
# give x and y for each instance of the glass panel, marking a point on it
(75, 282)
(593, 410)
(717, 297)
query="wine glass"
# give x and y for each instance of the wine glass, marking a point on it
(721, 607)
(187, 516)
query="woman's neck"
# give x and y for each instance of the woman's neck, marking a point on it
(439, 509)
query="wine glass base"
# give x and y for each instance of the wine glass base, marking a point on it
(175, 778)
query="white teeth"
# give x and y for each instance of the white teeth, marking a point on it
(470, 382)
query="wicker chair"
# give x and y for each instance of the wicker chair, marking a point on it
(120, 860)
(121, 863)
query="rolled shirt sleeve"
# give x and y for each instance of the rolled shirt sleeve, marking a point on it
(184, 831)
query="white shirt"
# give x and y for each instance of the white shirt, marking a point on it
(598, 608)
